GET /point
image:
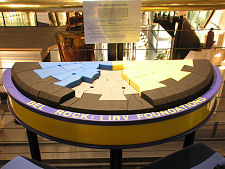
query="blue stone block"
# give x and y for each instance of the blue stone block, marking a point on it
(53, 64)
(70, 82)
(89, 77)
(43, 73)
(75, 66)
(106, 66)
(67, 74)
(67, 63)
(71, 74)
(61, 76)
(91, 65)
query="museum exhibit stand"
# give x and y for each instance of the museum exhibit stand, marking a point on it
(112, 105)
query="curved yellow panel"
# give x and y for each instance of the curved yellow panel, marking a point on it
(110, 135)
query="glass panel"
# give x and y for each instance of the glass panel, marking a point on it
(61, 18)
(16, 18)
(1, 19)
(32, 18)
(52, 19)
(198, 19)
(201, 35)
(73, 48)
(101, 52)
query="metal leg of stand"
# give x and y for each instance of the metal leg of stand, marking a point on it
(189, 139)
(34, 146)
(215, 129)
(115, 158)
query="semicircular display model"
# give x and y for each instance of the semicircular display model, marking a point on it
(113, 87)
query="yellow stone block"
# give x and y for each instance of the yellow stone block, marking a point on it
(144, 75)
(117, 65)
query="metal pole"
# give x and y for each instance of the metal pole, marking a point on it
(34, 146)
(115, 158)
(214, 129)
(189, 139)
(3, 17)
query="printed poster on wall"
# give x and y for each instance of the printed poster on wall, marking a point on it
(112, 21)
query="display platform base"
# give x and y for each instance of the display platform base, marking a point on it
(112, 131)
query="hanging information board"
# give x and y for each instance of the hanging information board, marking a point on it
(112, 21)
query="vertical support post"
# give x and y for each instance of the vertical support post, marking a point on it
(34, 146)
(3, 17)
(178, 35)
(68, 21)
(115, 51)
(112, 51)
(189, 139)
(28, 18)
(36, 20)
(214, 129)
(115, 158)
(119, 53)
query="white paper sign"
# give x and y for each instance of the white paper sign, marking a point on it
(112, 21)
